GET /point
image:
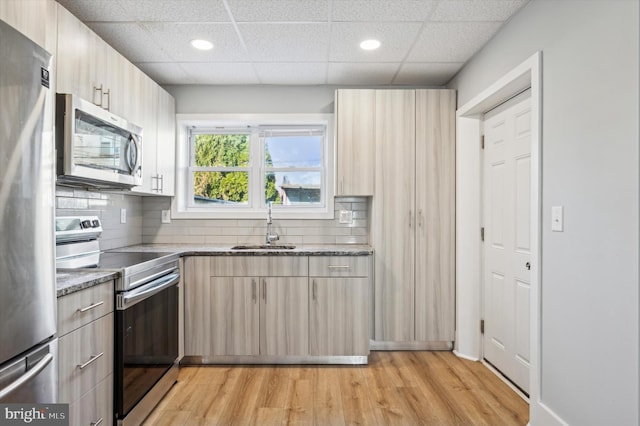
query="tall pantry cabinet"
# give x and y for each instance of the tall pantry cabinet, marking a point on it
(413, 214)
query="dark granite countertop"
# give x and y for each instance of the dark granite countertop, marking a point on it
(68, 282)
(225, 250)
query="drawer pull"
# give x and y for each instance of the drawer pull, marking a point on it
(338, 266)
(91, 360)
(88, 308)
(96, 423)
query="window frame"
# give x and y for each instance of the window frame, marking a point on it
(183, 206)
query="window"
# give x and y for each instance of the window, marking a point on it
(234, 168)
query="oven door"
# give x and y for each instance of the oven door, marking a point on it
(146, 340)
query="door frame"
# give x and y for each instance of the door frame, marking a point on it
(469, 120)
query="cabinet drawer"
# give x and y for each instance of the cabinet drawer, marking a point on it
(259, 266)
(95, 407)
(339, 266)
(85, 358)
(82, 307)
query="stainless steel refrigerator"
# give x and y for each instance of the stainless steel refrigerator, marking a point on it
(28, 346)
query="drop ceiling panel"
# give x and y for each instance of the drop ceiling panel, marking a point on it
(476, 10)
(164, 72)
(175, 10)
(451, 42)
(297, 41)
(381, 10)
(220, 73)
(96, 10)
(428, 74)
(361, 74)
(132, 40)
(286, 42)
(396, 40)
(279, 10)
(175, 39)
(309, 73)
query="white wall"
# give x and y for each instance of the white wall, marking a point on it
(590, 165)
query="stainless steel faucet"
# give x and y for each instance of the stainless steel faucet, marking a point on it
(270, 236)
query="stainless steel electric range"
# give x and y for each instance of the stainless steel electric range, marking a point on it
(146, 319)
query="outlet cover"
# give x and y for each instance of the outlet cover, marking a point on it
(123, 215)
(346, 216)
(166, 216)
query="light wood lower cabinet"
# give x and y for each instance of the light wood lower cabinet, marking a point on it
(339, 305)
(95, 407)
(338, 319)
(242, 314)
(85, 354)
(233, 308)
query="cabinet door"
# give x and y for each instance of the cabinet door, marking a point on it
(82, 57)
(197, 309)
(393, 215)
(284, 315)
(33, 18)
(339, 316)
(435, 204)
(166, 140)
(145, 114)
(355, 130)
(234, 316)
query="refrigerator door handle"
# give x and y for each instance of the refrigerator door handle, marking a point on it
(30, 374)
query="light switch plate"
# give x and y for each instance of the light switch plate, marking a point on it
(346, 217)
(557, 219)
(166, 216)
(123, 215)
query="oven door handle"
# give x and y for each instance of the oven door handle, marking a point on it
(148, 290)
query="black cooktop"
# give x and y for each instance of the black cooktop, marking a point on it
(118, 260)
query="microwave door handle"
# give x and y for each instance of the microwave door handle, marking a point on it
(133, 168)
(137, 165)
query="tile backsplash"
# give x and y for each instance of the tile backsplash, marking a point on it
(107, 206)
(252, 231)
(144, 223)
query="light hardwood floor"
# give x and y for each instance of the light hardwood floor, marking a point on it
(396, 388)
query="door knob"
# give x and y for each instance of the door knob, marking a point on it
(528, 266)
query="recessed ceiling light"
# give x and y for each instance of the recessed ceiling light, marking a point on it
(371, 44)
(202, 44)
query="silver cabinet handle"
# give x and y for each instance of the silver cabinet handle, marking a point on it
(253, 290)
(420, 218)
(106, 93)
(338, 266)
(97, 89)
(161, 184)
(30, 374)
(264, 290)
(91, 360)
(314, 290)
(410, 219)
(88, 308)
(96, 423)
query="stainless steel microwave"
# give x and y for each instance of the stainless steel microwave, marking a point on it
(95, 148)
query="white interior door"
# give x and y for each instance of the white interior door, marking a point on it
(506, 221)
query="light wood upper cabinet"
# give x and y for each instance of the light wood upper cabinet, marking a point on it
(33, 18)
(355, 141)
(82, 61)
(166, 143)
(435, 204)
(393, 215)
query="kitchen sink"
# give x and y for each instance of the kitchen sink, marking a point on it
(264, 247)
